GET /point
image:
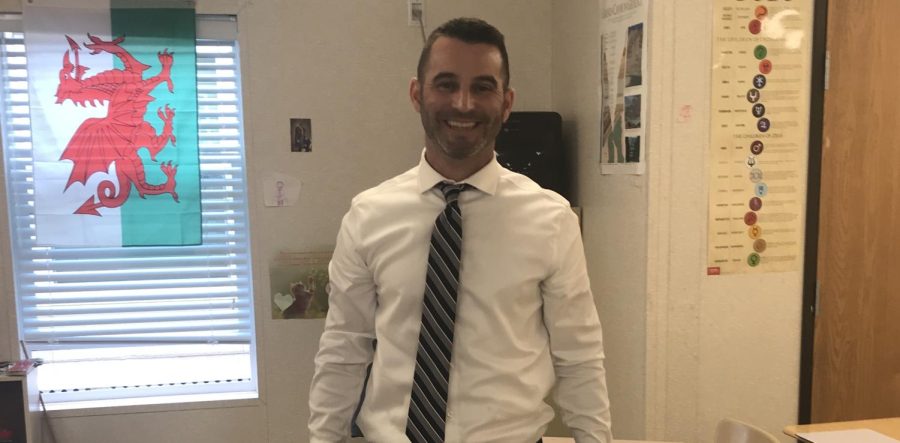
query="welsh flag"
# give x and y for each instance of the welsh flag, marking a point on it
(113, 96)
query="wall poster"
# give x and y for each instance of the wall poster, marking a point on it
(622, 89)
(759, 135)
(299, 285)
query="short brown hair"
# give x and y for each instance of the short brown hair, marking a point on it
(469, 30)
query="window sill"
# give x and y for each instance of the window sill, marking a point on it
(153, 404)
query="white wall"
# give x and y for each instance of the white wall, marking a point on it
(614, 212)
(731, 343)
(683, 350)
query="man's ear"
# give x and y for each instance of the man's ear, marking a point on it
(509, 97)
(414, 93)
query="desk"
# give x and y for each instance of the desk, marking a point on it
(886, 426)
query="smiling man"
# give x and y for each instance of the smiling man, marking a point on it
(459, 292)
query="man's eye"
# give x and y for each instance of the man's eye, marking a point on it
(484, 88)
(446, 86)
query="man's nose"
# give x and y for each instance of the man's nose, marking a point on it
(462, 100)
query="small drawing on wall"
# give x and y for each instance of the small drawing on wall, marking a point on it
(301, 135)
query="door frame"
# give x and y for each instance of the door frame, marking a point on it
(813, 190)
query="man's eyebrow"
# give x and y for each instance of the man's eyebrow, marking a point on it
(444, 76)
(451, 76)
(487, 78)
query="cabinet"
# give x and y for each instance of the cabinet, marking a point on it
(20, 408)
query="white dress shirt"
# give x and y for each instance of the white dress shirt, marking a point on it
(525, 314)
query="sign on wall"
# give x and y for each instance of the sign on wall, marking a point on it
(759, 135)
(622, 87)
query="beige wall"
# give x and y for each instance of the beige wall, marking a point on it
(731, 343)
(614, 212)
(683, 350)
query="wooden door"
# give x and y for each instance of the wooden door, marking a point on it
(856, 360)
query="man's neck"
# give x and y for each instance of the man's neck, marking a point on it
(457, 169)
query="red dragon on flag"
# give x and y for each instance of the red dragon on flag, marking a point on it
(117, 137)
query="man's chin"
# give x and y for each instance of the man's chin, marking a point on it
(464, 152)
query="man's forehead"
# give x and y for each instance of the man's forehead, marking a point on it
(451, 56)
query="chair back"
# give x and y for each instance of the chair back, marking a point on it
(734, 431)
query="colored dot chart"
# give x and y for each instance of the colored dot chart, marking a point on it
(759, 122)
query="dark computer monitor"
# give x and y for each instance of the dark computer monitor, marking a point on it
(530, 143)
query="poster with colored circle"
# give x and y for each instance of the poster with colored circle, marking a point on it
(754, 27)
(759, 81)
(750, 218)
(756, 175)
(755, 204)
(756, 147)
(758, 110)
(757, 164)
(754, 232)
(760, 52)
(753, 95)
(759, 245)
(754, 259)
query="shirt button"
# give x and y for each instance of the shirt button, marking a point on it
(449, 414)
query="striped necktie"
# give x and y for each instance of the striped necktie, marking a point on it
(428, 400)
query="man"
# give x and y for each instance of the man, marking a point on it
(468, 301)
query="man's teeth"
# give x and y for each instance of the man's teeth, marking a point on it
(456, 124)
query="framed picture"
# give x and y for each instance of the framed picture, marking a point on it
(301, 135)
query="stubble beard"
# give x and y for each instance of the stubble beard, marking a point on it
(440, 135)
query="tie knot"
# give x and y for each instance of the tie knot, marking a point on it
(451, 191)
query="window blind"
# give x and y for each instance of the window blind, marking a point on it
(92, 298)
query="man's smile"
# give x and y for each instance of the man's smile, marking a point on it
(457, 124)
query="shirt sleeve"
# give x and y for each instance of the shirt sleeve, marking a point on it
(346, 346)
(576, 342)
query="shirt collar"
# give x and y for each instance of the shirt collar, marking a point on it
(485, 180)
